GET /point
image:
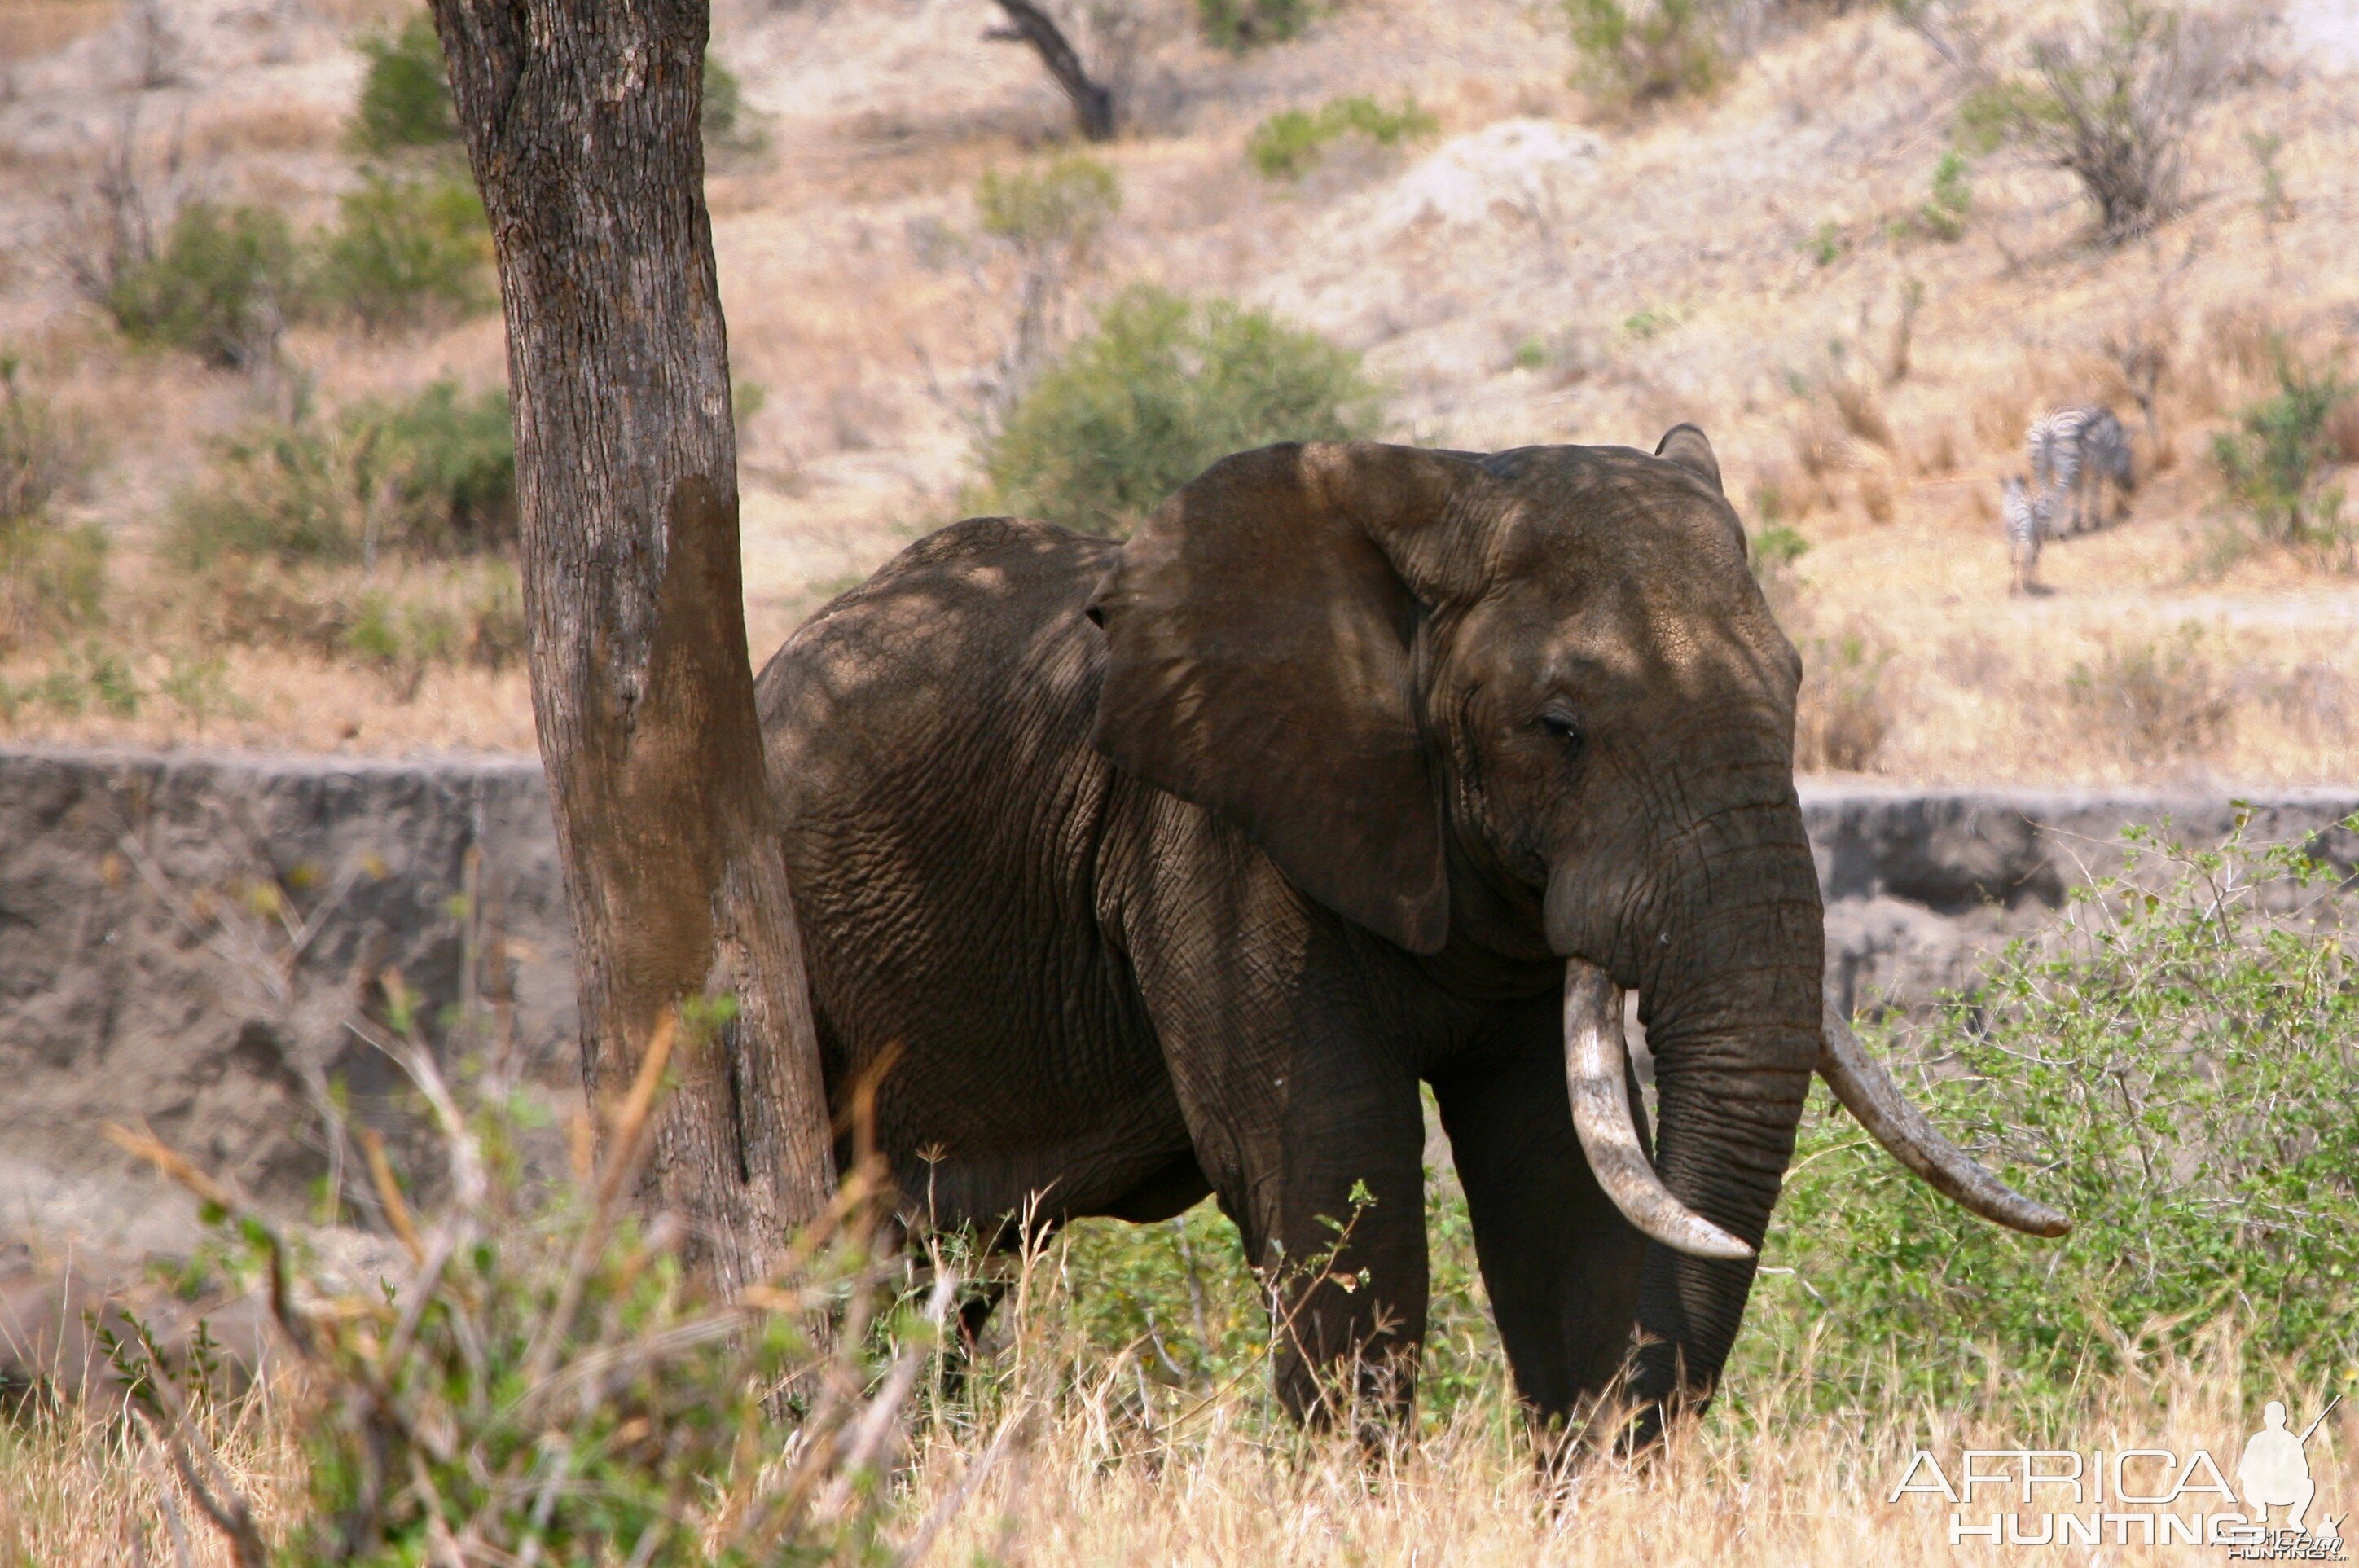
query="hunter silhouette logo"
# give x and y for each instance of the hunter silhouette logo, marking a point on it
(2274, 1471)
(2130, 1497)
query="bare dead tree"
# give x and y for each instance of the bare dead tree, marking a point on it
(1093, 101)
(2110, 103)
(580, 119)
(118, 222)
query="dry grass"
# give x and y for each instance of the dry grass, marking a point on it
(30, 28)
(1094, 1466)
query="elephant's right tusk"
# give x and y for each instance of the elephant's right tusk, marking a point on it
(1869, 1093)
(1596, 1066)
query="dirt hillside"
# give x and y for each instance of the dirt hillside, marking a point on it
(1546, 264)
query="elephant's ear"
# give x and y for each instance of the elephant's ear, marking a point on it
(1685, 446)
(1259, 630)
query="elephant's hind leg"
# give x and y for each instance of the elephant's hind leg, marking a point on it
(1561, 1263)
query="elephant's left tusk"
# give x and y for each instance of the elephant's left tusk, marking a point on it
(1868, 1092)
(1596, 1068)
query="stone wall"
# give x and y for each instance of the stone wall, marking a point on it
(187, 939)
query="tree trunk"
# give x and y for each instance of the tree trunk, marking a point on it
(580, 119)
(1092, 101)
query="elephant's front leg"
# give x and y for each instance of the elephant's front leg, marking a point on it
(1296, 1098)
(1337, 1234)
(1560, 1262)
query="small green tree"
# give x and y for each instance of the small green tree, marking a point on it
(218, 289)
(405, 91)
(725, 122)
(431, 476)
(1237, 25)
(407, 252)
(1050, 218)
(2272, 462)
(1162, 389)
(1944, 215)
(1644, 54)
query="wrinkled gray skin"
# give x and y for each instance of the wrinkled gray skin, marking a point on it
(1173, 868)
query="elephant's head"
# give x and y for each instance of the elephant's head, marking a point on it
(1526, 709)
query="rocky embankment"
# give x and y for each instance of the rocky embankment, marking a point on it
(188, 940)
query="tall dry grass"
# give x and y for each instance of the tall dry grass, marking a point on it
(1066, 1457)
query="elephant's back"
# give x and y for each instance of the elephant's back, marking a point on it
(942, 809)
(968, 644)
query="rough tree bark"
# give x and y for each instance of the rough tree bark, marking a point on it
(580, 121)
(1093, 101)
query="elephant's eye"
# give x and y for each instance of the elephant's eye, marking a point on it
(1564, 727)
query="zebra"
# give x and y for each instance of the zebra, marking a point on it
(2074, 453)
(2026, 519)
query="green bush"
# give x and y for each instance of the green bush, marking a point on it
(539, 1374)
(1653, 50)
(1775, 549)
(1944, 214)
(219, 287)
(1063, 204)
(724, 121)
(2272, 462)
(1163, 388)
(405, 94)
(2173, 1067)
(1288, 144)
(96, 677)
(1237, 25)
(405, 252)
(430, 475)
(450, 464)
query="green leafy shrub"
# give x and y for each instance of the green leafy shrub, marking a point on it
(2273, 462)
(450, 462)
(725, 122)
(1775, 549)
(1646, 53)
(1288, 144)
(1943, 215)
(541, 1378)
(1163, 388)
(430, 475)
(1238, 26)
(96, 677)
(407, 252)
(2172, 1067)
(1065, 202)
(218, 289)
(406, 92)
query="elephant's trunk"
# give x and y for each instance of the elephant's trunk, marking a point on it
(1597, 1070)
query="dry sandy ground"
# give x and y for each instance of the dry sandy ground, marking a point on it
(1541, 270)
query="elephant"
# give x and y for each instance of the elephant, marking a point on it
(1134, 871)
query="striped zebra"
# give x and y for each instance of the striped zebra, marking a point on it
(2075, 452)
(2025, 520)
